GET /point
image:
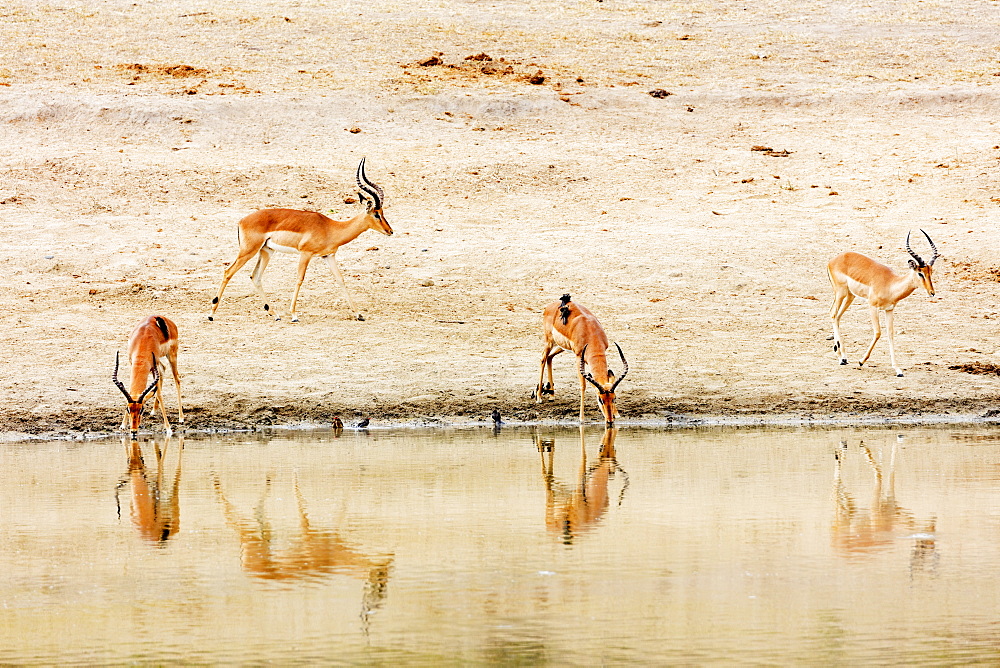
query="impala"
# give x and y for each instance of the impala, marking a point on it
(855, 275)
(568, 326)
(153, 340)
(307, 233)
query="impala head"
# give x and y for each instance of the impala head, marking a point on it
(371, 195)
(923, 269)
(605, 391)
(134, 406)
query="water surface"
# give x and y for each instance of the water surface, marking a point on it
(714, 545)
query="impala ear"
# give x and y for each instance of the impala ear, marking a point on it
(913, 265)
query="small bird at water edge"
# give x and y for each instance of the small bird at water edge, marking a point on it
(496, 417)
(337, 422)
(363, 423)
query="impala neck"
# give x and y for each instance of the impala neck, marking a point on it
(904, 286)
(597, 363)
(142, 368)
(356, 225)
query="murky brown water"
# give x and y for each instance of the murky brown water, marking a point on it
(438, 547)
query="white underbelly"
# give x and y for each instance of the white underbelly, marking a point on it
(562, 341)
(857, 289)
(281, 249)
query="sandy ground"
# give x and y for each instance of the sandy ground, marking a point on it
(133, 136)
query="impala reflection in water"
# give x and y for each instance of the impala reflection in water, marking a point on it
(155, 511)
(859, 531)
(722, 546)
(573, 509)
(311, 553)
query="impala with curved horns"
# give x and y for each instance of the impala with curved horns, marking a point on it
(307, 233)
(855, 275)
(567, 325)
(153, 340)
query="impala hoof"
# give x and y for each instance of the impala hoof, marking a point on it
(899, 374)
(211, 319)
(843, 362)
(295, 318)
(361, 318)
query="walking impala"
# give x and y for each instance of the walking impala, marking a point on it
(569, 326)
(153, 340)
(855, 275)
(307, 233)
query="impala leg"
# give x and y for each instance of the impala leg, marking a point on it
(537, 394)
(877, 333)
(840, 303)
(257, 276)
(304, 259)
(542, 388)
(172, 358)
(335, 268)
(158, 397)
(583, 395)
(552, 383)
(890, 327)
(245, 254)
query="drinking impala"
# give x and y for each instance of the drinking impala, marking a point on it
(567, 325)
(152, 341)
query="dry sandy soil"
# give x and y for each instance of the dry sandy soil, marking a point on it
(133, 136)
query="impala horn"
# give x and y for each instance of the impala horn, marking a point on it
(118, 383)
(933, 248)
(920, 262)
(367, 187)
(120, 386)
(624, 364)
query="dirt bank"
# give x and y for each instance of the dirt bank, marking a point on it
(523, 156)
